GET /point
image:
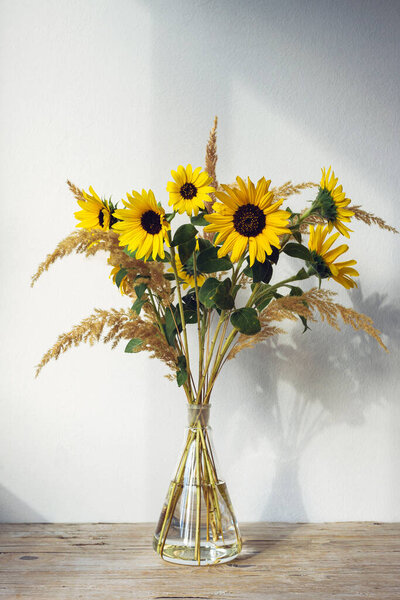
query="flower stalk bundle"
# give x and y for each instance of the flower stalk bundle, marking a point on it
(216, 274)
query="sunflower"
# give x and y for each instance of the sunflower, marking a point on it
(142, 226)
(323, 259)
(247, 218)
(190, 189)
(332, 203)
(186, 273)
(123, 286)
(95, 213)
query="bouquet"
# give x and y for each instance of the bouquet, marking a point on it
(201, 292)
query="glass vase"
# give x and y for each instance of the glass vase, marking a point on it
(197, 525)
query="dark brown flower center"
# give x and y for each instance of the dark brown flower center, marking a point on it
(151, 222)
(188, 191)
(101, 217)
(249, 220)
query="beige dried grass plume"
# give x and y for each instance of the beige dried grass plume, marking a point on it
(211, 161)
(122, 325)
(310, 304)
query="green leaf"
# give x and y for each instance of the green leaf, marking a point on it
(132, 254)
(304, 321)
(263, 303)
(297, 251)
(246, 321)
(181, 361)
(183, 234)
(248, 271)
(295, 291)
(185, 250)
(297, 236)
(208, 261)
(189, 300)
(137, 306)
(261, 271)
(170, 327)
(203, 244)
(134, 345)
(119, 276)
(274, 256)
(190, 316)
(139, 276)
(169, 276)
(207, 291)
(129, 252)
(169, 216)
(199, 220)
(181, 377)
(140, 289)
(222, 297)
(235, 290)
(302, 274)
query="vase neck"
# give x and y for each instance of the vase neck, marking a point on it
(198, 414)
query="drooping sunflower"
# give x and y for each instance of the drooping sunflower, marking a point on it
(190, 189)
(332, 203)
(142, 226)
(247, 218)
(323, 259)
(186, 273)
(123, 286)
(95, 213)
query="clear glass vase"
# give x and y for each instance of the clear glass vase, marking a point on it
(197, 525)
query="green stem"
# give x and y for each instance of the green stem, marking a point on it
(159, 322)
(201, 344)
(226, 346)
(178, 289)
(210, 354)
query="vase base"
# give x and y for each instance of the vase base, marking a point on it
(210, 553)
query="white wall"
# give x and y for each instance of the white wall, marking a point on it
(116, 93)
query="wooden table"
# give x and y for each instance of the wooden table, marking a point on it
(279, 561)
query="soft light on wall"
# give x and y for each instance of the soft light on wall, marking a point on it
(114, 95)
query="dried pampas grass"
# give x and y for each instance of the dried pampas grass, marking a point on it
(289, 189)
(370, 219)
(122, 325)
(308, 305)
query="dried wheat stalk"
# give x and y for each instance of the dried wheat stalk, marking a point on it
(121, 325)
(371, 219)
(307, 305)
(289, 189)
(77, 192)
(211, 162)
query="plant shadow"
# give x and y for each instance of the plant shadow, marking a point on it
(329, 378)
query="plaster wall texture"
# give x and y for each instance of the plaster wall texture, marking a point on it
(116, 93)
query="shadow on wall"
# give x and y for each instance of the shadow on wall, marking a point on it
(313, 364)
(14, 510)
(334, 92)
(327, 88)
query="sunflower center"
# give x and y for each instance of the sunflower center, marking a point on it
(320, 265)
(327, 205)
(101, 217)
(151, 222)
(249, 220)
(188, 191)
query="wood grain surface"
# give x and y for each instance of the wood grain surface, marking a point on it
(279, 561)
